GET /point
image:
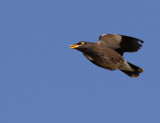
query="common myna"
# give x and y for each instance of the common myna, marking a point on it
(108, 52)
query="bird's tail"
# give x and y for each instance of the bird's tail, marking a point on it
(135, 73)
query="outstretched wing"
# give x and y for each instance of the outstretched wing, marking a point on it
(120, 43)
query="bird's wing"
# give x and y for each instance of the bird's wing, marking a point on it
(120, 43)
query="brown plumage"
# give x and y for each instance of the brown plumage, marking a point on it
(108, 52)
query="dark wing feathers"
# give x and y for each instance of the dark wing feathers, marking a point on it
(121, 43)
(130, 44)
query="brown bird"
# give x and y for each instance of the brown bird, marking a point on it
(108, 52)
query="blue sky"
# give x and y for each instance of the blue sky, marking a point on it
(43, 81)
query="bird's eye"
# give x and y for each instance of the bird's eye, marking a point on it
(80, 43)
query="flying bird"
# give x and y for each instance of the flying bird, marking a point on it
(108, 52)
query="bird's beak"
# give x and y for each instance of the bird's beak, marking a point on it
(74, 46)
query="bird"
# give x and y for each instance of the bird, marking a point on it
(108, 52)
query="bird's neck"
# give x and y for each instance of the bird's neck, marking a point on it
(89, 49)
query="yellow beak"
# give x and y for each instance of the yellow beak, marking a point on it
(74, 46)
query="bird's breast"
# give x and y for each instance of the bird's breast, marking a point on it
(105, 58)
(88, 57)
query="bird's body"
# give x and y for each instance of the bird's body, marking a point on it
(106, 58)
(108, 53)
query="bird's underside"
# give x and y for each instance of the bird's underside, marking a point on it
(108, 52)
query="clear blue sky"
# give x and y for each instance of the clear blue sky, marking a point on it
(43, 81)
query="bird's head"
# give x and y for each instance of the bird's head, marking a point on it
(81, 46)
(78, 45)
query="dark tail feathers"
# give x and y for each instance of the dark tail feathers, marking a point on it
(135, 73)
